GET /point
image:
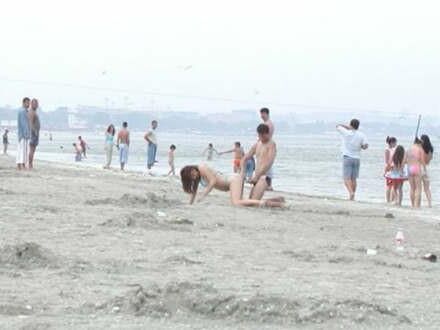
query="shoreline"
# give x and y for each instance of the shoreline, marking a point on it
(86, 248)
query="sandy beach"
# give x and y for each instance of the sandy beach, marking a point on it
(91, 249)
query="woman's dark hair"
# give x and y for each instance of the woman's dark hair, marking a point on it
(263, 129)
(111, 129)
(398, 156)
(189, 184)
(391, 140)
(426, 144)
(172, 147)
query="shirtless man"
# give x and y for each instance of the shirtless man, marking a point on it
(238, 155)
(265, 151)
(265, 117)
(209, 151)
(123, 143)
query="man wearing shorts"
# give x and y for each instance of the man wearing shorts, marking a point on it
(123, 144)
(353, 142)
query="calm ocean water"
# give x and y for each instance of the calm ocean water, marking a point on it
(308, 164)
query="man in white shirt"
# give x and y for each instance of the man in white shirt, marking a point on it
(353, 142)
(150, 137)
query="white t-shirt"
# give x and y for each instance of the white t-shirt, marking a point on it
(352, 142)
(152, 136)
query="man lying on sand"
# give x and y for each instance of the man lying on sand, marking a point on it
(194, 175)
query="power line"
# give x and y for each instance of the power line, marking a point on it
(176, 95)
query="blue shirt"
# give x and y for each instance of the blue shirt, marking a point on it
(24, 131)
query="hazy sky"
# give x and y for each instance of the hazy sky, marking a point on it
(382, 55)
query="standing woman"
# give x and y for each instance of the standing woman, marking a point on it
(34, 124)
(428, 152)
(415, 159)
(109, 141)
(389, 152)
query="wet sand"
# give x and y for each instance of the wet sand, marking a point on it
(93, 249)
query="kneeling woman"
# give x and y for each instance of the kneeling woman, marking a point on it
(194, 175)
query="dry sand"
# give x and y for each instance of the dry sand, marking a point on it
(94, 249)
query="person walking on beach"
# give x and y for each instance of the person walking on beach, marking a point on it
(109, 141)
(238, 153)
(123, 144)
(265, 151)
(389, 152)
(353, 142)
(171, 160)
(416, 166)
(34, 123)
(5, 141)
(209, 151)
(83, 146)
(150, 137)
(428, 150)
(23, 134)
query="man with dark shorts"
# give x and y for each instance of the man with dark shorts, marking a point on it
(353, 142)
(265, 151)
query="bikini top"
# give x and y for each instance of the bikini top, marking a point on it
(203, 182)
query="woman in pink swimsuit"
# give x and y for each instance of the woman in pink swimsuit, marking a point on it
(416, 167)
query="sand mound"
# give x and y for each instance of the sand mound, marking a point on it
(151, 200)
(205, 301)
(14, 310)
(149, 220)
(26, 255)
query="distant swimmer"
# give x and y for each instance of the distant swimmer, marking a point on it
(83, 145)
(5, 141)
(123, 144)
(151, 138)
(78, 152)
(265, 151)
(171, 160)
(50, 137)
(192, 176)
(353, 142)
(23, 134)
(238, 153)
(34, 122)
(209, 152)
(108, 145)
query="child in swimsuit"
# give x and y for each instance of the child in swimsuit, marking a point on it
(389, 151)
(397, 174)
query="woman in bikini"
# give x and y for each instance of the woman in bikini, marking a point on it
(428, 152)
(192, 176)
(416, 167)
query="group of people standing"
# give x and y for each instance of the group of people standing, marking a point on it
(408, 165)
(400, 165)
(28, 133)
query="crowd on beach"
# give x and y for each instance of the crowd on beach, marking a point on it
(254, 167)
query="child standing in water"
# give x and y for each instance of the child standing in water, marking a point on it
(389, 152)
(397, 174)
(171, 160)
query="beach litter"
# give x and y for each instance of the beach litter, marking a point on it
(371, 252)
(400, 238)
(161, 214)
(430, 257)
